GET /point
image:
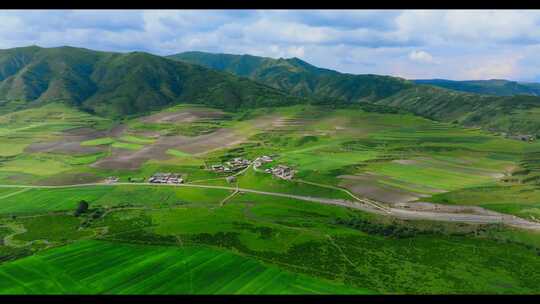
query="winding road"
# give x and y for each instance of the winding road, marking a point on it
(366, 205)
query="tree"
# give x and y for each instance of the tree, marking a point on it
(81, 208)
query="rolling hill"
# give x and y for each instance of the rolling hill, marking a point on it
(513, 114)
(116, 84)
(119, 84)
(299, 77)
(498, 87)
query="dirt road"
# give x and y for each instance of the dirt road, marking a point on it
(494, 217)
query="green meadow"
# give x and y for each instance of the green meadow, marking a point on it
(328, 248)
(141, 239)
(93, 267)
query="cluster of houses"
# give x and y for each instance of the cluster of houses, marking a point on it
(165, 178)
(236, 164)
(260, 160)
(233, 165)
(281, 171)
(112, 179)
(239, 163)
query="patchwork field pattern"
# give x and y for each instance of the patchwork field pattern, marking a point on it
(139, 239)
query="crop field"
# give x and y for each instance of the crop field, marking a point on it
(340, 250)
(43, 200)
(98, 142)
(141, 238)
(109, 268)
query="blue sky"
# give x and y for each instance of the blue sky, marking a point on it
(451, 44)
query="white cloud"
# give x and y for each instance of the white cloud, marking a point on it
(421, 56)
(481, 44)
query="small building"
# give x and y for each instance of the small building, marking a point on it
(523, 137)
(112, 179)
(230, 179)
(217, 167)
(282, 171)
(166, 178)
(238, 163)
(266, 158)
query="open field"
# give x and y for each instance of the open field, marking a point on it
(423, 158)
(166, 238)
(347, 248)
(44, 200)
(109, 268)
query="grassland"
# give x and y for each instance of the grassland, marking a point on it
(109, 268)
(255, 243)
(98, 141)
(340, 250)
(60, 228)
(177, 153)
(521, 200)
(44, 200)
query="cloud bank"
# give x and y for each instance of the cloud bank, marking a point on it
(412, 44)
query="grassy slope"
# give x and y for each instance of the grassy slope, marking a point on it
(115, 84)
(296, 236)
(43, 200)
(326, 144)
(298, 77)
(514, 114)
(497, 87)
(110, 268)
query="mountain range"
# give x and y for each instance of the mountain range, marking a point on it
(513, 114)
(499, 87)
(116, 84)
(119, 84)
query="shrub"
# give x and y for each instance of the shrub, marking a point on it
(81, 208)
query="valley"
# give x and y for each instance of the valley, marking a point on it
(377, 202)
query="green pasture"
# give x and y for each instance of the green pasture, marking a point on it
(137, 139)
(125, 145)
(520, 200)
(109, 268)
(98, 141)
(315, 240)
(177, 153)
(44, 200)
(57, 228)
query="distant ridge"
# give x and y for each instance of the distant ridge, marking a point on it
(498, 87)
(437, 99)
(299, 77)
(117, 84)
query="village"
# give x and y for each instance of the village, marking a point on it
(237, 164)
(232, 166)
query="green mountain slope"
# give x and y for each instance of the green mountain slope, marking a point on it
(117, 84)
(513, 114)
(498, 87)
(300, 78)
